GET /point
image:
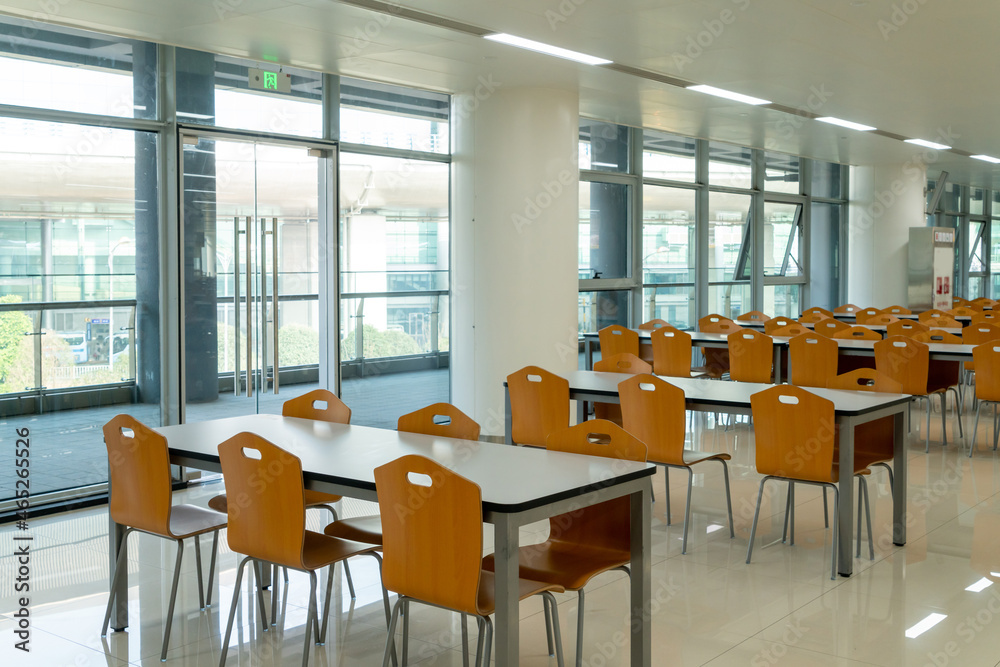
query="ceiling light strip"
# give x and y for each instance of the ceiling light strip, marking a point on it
(849, 124)
(728, 94)
(547, 49)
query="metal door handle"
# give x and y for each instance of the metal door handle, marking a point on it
(236, 304)
(249, 312)
(274, 296)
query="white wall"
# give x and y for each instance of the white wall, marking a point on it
(515, 185)
(885, 201)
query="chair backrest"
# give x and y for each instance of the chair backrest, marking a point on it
(962, 311)
(671, 352)
(938, 336)
(830, 326)
(318, 404)
(931, 314)
(776, 323)
(863, 315)
(753, 316)
(897, 310)
(616, 339)
(881, 318)
(942, 322)
(751, 356)
(795, 431)
(623, 363)
(959, 301)
(816, 310)
(606, 525)
(432, 532)
(857, 333)
(865, 379)
(986, 358)
(790, 330)
(983, 301)
(653, 411)
(654, 324)
(139, 464)
(904, 360)
(539, 404)
(813, 359)
(976, 334)
(432, 421)
(717, 324)
(987, 316)
(906, 328)
(846, 308)
(813, 318)
(267, 511)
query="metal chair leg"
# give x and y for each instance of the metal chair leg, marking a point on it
(390, 640)
(321, 639)
(260, 594)
(826, 510)
(666, 487)
(580, 607)
(197, 565)
(211, 568)
(729, 498)
(489, 641)
(958, 411)
(173, 599)
(232, 611)
(687, 511)
(836, 524)
(756, 515)
(310, 619)
(385, 603)
(944, 418)
(480, 641)
(406, 630)
(548, 629)
(975, 430)
(465, 638)
(549, 600)
(868, 519)
(116, 577)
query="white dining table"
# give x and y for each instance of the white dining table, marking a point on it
(519, 486)
(851, 408)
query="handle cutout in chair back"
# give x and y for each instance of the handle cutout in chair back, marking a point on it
(669, 334)
(996, 349)
(441, 420)
(937, 338)
(866, 382)
(251, 453)
(898, 343)
(788, 400)
(127, 432)
(599, 438)
(713, 320)
(616, 332)
(419, 479)
(534, 378)
(320, 404)
(812, 341)
(647, 386)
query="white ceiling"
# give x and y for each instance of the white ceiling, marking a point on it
(932, 74)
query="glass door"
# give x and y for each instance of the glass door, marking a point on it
(254, 301)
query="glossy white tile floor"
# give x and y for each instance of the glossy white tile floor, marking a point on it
(710, 607)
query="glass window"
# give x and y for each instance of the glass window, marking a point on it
(601, 309)
(729, 166)
(604, 230)
(783, 300)
(782, 239)
(976, 201)
(668, 157)
(668, 235)
(671, 303)
(951, 200)
(824, 247)
(781, 173)
(729, 238)
(380, 114)
(730, 299)
(976, 246)
(826, 178)
(52, 67)
(216, 90)
(604, 146)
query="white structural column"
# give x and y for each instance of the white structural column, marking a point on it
(886, 200)
(515, 185)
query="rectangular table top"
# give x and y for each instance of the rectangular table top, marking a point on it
(512, 479)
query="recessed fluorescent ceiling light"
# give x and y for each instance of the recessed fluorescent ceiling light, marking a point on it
(925, 625)
(928, 144)
(846, 123)
(728, 94)
(979, 585)
(540, 47)
(987, 158)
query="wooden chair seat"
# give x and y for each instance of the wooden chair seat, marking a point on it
(487, 598)
(569, 566)
(692, 456)
(319, 550)
(367, 529)
(189, 520)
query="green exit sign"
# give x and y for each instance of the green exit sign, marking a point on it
(278, 82)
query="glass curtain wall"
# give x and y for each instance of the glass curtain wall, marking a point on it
(974, 213)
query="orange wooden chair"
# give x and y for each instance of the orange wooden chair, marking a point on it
(790, 330)
(986, 317)
(785, 417)
(962, 311)
(813, 359)
(907, 361)
(716, 359)
(846, 308)
(986, 357)
(591, 540)
(616, 339)
(897, 310)
(829, 327)
(653, 325)
(883, 319)
(816, 310)
(440, 562)
(849, 363)
(671, 352)
(937, 336)
(620, 363)
(944, 376)
(270, 526)
(977, 334)
(751, 356)
(753, 316)
(931, 314)
(959, 301)
(539, 405)
(905, 328)
(776, 323)
(981, 302)
(942, 323)
(140, 499)
(857, 333)
(862, 316)
(318, 405)
(653, 411)
(813, 318)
